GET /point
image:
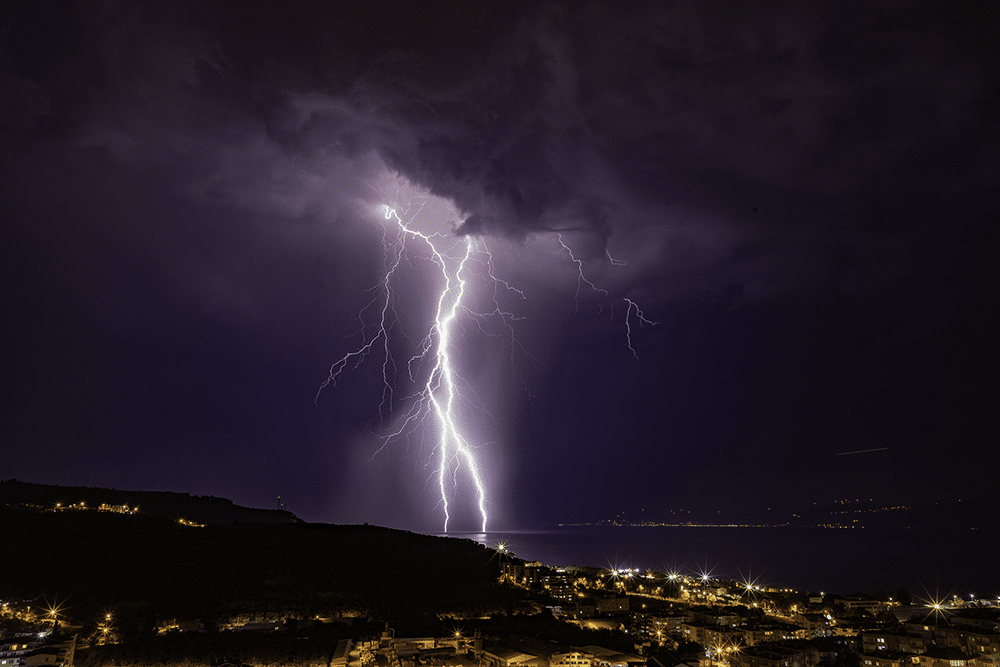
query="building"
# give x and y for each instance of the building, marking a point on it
(923, 628)
(14, 654)
(571, 659)
(605, 657)
(775, 655)
(715, 637)
(559, 586)
(666, 623)
(584, 608)
(975, 641)
(501, 656)
(853, 628)
(885, 658)
(881, 641)
(693, 631)
(611, 606)
(948, 656)
(986, 619)
(815, 624)
(36, 653)
(341, 654)
(761, 633)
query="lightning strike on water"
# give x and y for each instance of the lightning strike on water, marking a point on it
(441, 392)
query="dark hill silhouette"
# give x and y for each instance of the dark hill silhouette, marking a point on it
(153, 563)
(202, 509)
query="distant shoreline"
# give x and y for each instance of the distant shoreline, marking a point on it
(923, 560)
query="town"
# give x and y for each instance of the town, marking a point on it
(582, 617)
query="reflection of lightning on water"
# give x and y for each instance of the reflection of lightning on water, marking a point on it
(442, 392)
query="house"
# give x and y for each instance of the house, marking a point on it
(611, 606)
(885, 658)
(815, 624)
(501, 656)
(775, 655)
(880, 641)
(605, 657)
(572, 659)
(341, 654)
(947, 656)
(976, 641)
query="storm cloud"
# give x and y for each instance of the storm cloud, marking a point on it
(762, 174)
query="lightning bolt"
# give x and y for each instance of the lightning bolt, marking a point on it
(581, 279)
(440, 388)
(439, 394)
(639, 317)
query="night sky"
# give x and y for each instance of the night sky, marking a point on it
(802, 196)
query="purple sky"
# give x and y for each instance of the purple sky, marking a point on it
(801, 195)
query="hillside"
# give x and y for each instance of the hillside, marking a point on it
(158, 568)
(201, 509)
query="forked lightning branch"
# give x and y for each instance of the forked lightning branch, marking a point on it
(441, 395)
(438, 396)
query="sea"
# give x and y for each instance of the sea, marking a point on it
(930, 564)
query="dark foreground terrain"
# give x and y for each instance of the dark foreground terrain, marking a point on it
(190, 581)
(152, 568)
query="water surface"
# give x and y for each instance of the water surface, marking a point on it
(925, 562)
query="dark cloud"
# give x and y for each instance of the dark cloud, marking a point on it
(799, 195)
(531, 117)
